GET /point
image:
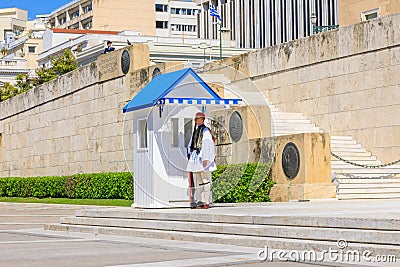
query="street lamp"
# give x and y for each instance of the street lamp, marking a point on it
(313, 22)
(203, 46)
(322, 28)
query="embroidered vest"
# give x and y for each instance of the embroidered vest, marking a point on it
(197, 138)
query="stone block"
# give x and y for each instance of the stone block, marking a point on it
(110, 67)
(314, 168)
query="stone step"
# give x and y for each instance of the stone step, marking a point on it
(297, 131)
(356, 158)
(258, 242)
(368, 181)
(301, 123)
(388, 237)
(340, 149)
(368, 171)
(346, 145)
(385, 190)
(293, 132)
(368, 196)
(342, 138)
(340, 165)
(284, 116)
(369, 185)
(289, 121)
(296, 128)
(335, 163)
(345, 155)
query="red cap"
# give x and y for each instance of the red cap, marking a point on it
(200, 115)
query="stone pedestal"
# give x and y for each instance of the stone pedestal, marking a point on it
(235, 127)
(313, 179)
(110, 65)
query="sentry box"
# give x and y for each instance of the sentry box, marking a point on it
(163, 114)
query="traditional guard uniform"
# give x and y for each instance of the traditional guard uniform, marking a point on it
(201, 148)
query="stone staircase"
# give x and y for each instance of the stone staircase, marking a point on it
(352, 182)
(243, 226)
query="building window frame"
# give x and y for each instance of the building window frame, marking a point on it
(366, 15)
(142, 134)
(31, 49)
(161, 8)
(161, 24)
(175, 132)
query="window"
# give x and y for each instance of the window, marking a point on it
(185, 28)
(188, 128)
(32, 49)
(74, 26)
(142, 131)
(183, 11)
(87, 24)
(370, 14)
(75, 14)
(161, 24)
(161, 8)
(62, 20)
(175, 132)
(175, 11)
(86, 9)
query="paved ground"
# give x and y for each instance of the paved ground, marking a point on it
(23, 242)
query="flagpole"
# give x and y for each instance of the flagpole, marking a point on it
(220, 40)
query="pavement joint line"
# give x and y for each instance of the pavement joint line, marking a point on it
(48, 241)
(201, 261)
(27, 223)
(36, 215)
(155, 243)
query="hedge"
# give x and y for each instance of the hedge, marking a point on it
(80, 186)
(231, 183)
(242, 183)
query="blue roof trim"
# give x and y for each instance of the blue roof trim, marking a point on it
(197, 77)
(159, 87)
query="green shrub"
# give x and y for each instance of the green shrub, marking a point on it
(242, 183)
(89, 186)
(231, 184)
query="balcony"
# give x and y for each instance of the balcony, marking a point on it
(12, 64)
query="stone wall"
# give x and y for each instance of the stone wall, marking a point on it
(73, 124)
(346, 81)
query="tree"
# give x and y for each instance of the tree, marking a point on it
(45, 75)
(4, 51)
(64, 63)
(7, 91)
(23, 83)
(60, 65)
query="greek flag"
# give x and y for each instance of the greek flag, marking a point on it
(214, 13)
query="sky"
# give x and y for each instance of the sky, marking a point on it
(34, 7)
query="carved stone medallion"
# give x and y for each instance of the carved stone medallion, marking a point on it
(125, 61)
(290, 160)
(235, 126)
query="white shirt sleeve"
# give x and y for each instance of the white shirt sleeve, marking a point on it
(207, 146)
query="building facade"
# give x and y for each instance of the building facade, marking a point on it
(110, 15)
(176, 18)
(263, 23)
(12, 20)
(354, 11)
(164, 18)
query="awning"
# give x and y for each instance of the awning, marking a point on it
(157, 92)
